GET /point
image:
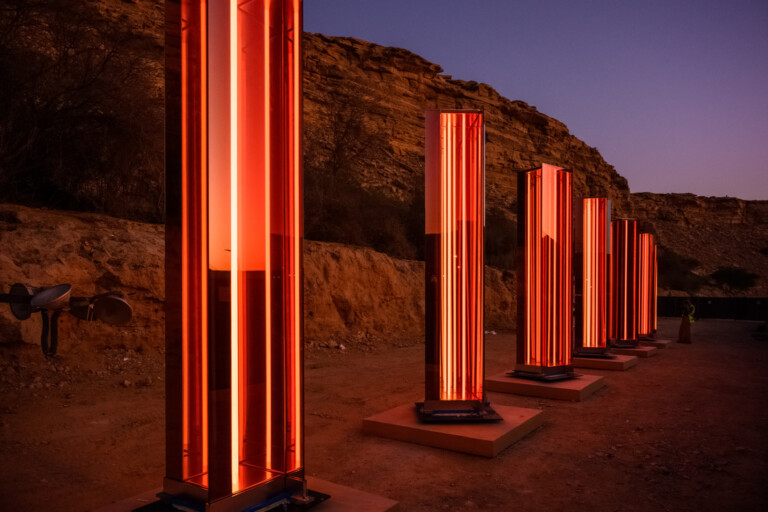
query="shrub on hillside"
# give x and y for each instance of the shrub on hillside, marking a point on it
(500, 240)
(734, 278)
(81, 120)
(676, 272)
(337, 207)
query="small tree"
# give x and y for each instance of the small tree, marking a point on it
(81, 119)
(676, 272)
(338, 205)
(734, 278)
(500, 239)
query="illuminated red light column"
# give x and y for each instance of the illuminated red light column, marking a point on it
(593, 252)
(545, 274)
(655, 288)
(623, 284)
(455, 215)
(233, 253)
(646, 303)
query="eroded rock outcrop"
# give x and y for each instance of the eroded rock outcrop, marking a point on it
(714, 231)
(352, 294)
(397, 86)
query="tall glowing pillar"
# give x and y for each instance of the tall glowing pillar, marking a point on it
(655, 288)
(455, 216)
(545, 274)
(623, 284)
(593, 252)
(646, 303)
(234, 413)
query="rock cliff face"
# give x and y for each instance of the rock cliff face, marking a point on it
(354, 294)
(714, 231)
(392, 87)
(396, 86)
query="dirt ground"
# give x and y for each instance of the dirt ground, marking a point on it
(686, 430)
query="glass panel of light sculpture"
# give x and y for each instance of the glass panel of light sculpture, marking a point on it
(623, 283)
(545, 273)
(234, 251)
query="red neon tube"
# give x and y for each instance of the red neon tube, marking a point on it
(646, 286)
(545, 272)
(623, 283)
(593, 249)
(234, 248)
(454, 200)
(655, 288)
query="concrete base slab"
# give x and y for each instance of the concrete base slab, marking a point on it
(128, 505)
(347, 499)
(656, 343)
(574, 390)
(342, 499)
(617, 362)
(636, 351)
(486, 439)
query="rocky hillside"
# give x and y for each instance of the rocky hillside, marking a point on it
(392, 87)
(364, 118)
(353, 295)
(712, 232)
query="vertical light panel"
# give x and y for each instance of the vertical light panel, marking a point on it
(454, 215)
(194, 263)
(655, 320)
(595, 252)
(646, 286)
(240, 236)
(234, 251)
(623, 289)
(545, 273)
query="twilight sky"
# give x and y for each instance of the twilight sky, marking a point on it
(673, 93)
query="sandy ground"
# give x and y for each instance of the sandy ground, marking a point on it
(686, 430)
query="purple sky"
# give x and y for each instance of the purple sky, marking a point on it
(674, 94)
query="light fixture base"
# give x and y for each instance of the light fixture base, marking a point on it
(593, 352)
(282, 502)
(456, 411)
(543, 373)
(624, 344)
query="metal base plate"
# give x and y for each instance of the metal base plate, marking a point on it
(464, 411)
(315, 498)
(564, 375)
(603, 354)
(624, 344)
(287, 504)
